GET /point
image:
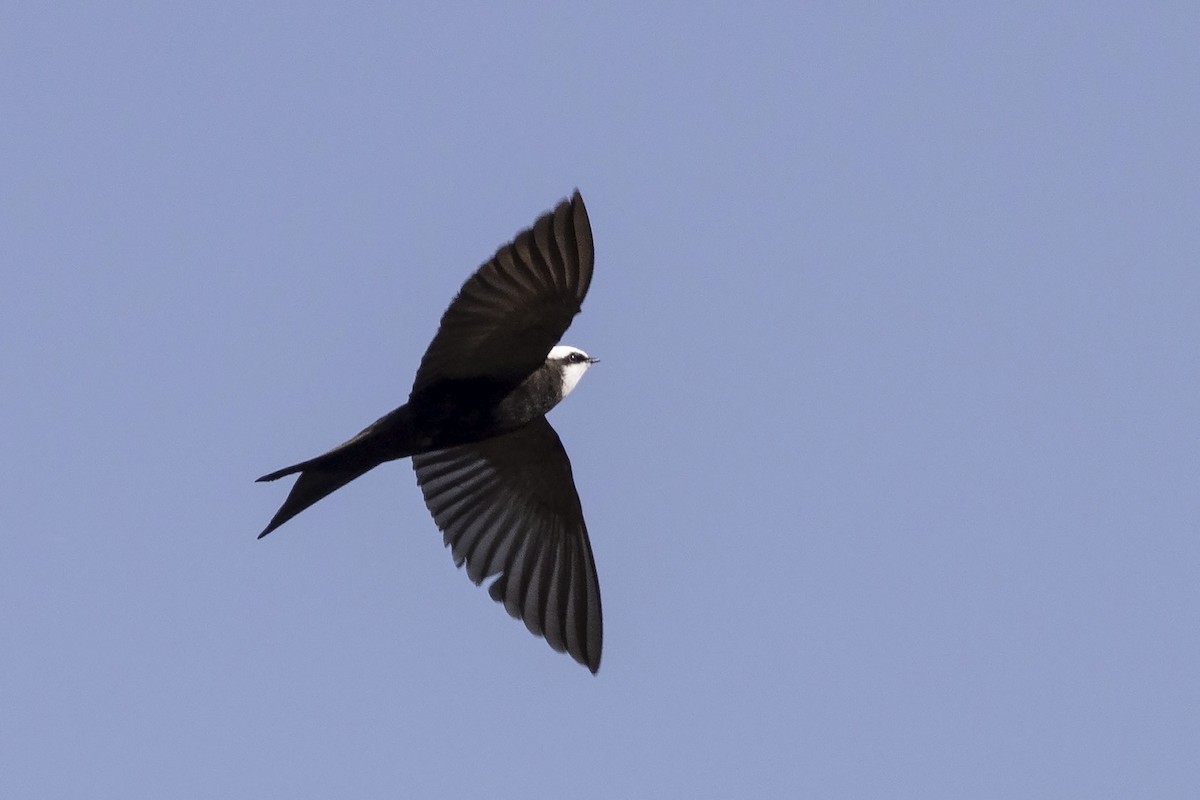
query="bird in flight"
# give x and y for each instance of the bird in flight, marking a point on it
(493, 472)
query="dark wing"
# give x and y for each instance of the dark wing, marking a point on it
(508, 507)
(517, 306)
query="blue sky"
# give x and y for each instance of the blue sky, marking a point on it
(890, 465)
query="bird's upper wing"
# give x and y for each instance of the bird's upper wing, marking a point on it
(507, 506)
(515, 307)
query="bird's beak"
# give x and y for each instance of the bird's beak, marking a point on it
(593, 360)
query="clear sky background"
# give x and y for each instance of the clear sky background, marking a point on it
(891, 464)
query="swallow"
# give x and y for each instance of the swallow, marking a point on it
(493, 473)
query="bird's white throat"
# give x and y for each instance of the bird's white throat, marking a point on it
(571, 371)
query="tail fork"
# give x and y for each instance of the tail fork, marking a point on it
(388, 438)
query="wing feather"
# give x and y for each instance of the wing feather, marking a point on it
(508, 507)
(517, 306)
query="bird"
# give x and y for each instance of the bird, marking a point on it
(493, 472)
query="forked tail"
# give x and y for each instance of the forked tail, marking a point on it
(388, 438)
(313, 484)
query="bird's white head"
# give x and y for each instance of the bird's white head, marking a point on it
(572, 363)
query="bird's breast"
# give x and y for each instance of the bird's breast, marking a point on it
(462, 411)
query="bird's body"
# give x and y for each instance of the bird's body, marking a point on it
(493, 472)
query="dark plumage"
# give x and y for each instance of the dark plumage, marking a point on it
(493, 472)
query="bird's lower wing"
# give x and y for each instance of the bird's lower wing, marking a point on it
(507, 506)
